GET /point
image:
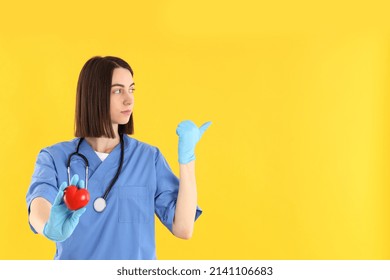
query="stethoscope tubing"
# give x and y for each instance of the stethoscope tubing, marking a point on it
(85, 161)
(118, 171)
(107, 191)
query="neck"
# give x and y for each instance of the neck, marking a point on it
(103, 144)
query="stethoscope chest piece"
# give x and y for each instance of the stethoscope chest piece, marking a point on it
(99, 204)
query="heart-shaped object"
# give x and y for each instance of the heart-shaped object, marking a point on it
(75, 198)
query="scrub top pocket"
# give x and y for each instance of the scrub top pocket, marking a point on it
(134, 204)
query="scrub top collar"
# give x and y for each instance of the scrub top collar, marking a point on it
(94, 160)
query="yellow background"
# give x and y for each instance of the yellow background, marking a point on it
(296, 162)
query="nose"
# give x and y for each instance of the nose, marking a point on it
(129, 99)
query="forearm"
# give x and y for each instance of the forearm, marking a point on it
(183, 223)
(39, 213)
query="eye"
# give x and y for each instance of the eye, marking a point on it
(117, 91)
(131, 90)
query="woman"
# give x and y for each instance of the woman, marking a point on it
(128, 181)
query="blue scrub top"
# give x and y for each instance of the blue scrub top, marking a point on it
(125, 229)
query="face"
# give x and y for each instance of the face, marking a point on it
(121, 96)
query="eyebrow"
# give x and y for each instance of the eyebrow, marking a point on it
(133, 84)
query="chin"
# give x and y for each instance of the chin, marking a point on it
(124, 122)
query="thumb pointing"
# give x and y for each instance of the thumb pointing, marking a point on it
(203, 128)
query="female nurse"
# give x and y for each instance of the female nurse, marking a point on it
(128, 181)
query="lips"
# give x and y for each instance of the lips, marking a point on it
(127, 112)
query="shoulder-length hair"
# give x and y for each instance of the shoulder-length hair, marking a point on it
(92, 118)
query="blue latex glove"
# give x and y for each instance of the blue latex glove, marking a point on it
(189, 134)
(63, 221)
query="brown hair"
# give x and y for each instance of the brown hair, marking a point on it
(92, 117)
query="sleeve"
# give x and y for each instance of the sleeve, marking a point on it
(44, 180)
(166, 192)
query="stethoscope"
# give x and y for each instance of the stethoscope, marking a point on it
(100, 203)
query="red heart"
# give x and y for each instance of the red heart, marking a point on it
(75, 198)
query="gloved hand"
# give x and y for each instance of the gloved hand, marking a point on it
(63, 221)
(189, 134)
